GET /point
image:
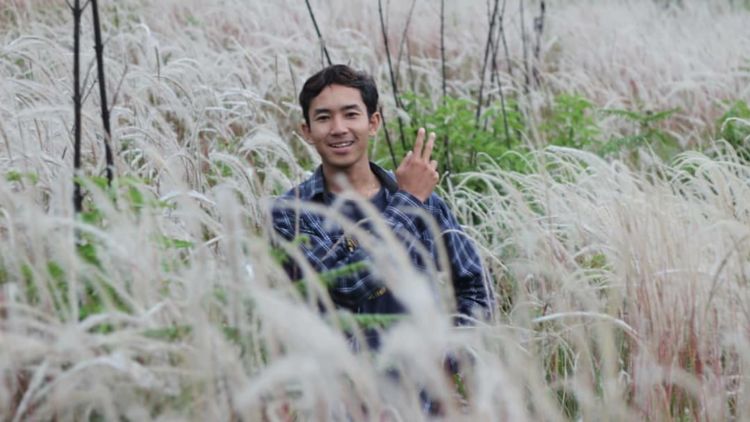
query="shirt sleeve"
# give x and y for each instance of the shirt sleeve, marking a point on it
(357, 284)
(470, 286)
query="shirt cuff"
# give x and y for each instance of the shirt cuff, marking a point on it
(402, 197)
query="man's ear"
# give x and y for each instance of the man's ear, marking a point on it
(375, 120)
(305, 128)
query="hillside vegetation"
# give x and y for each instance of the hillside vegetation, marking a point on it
(597, 152)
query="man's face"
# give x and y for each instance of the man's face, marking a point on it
(339, 126)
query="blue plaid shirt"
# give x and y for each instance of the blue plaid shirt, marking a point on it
(328, 248)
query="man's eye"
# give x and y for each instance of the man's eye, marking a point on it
(321, 118)
(351, 115)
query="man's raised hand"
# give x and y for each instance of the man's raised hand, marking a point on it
(417, 173)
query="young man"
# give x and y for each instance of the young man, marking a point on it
(340, 111)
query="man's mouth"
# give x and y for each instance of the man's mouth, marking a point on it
(341, 144)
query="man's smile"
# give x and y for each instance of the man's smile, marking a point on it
(341, 145)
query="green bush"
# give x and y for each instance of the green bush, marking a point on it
(461, 139)
(734, 127)
(570, 123)
(646, 133)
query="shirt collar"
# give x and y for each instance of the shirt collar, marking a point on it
(315, 187)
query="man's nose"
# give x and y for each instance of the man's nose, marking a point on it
(338, 127)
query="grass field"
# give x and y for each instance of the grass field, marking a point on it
(603, 175)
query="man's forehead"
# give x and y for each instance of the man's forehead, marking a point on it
(338, 97)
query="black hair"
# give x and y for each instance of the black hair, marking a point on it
(339, 74)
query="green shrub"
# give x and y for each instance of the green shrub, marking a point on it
(570, 123)
(646, 133)
(460, 140)
(734, 127)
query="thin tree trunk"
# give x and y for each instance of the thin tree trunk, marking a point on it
(404, 40)
(494, 71)
(526, 79)
(496, 77)
(442, 45)
(505, 40)
(410, 67)
(484, 62)
(446, 147)
(317, 30)
(77, 194)
(538, 30)
(388, 140)
(390, 70)
(99, 48)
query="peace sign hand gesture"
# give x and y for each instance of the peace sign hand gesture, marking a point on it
(417, 174)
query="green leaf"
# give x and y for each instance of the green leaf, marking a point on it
(174, 243)
(56, 272)
(100, 182)
(13, 176)
(135, 197)
(330, 276)
(642, 117)
(173, 333)
(93, 217)
(734, 126)
(16, 176)
(27, 273)
(369, 321)
(32, 293)
(87, 252)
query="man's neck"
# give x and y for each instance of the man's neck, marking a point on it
(359, 177)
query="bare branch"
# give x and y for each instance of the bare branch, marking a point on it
(317, 30)
(526, 79)
(88, 90)
(390, 70)
(119, 86)
(404, 38)
(77, 194)
(505, 41)
(388, 139)
(538, 31)
(486, 59)
(442, 44)
(99, 47)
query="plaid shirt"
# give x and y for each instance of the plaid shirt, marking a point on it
(328, 248)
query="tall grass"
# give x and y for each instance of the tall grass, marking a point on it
(621, 289)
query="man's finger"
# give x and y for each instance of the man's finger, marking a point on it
(405, 160)
(433, 164)
(428, 148)
(419, 143)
